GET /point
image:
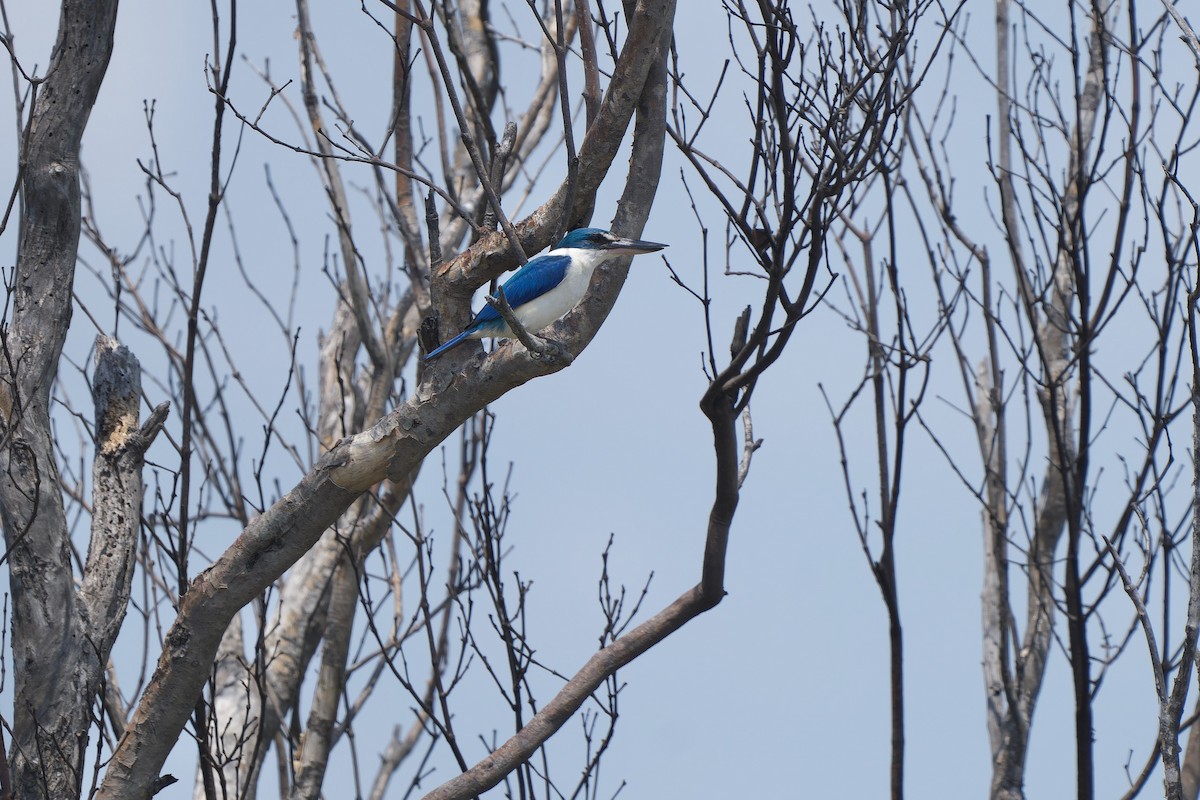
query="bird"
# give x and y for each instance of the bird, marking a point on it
(550, 285)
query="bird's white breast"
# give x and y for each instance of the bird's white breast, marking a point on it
(546, 308)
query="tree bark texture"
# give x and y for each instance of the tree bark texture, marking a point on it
(58, 656)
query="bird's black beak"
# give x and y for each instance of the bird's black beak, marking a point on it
(633, 247)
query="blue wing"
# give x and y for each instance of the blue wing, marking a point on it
(537, 277)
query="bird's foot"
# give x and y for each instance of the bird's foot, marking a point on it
(548, 350)
(539, 349)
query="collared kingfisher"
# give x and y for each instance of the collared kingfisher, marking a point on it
(549, 286)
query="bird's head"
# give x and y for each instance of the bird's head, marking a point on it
(599, 239)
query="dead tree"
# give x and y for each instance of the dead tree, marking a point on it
(315, 581)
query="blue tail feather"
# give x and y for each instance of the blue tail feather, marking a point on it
(457, 340)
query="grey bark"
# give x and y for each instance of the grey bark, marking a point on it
(58, 654)
(1014, 681)
(1190, 771)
